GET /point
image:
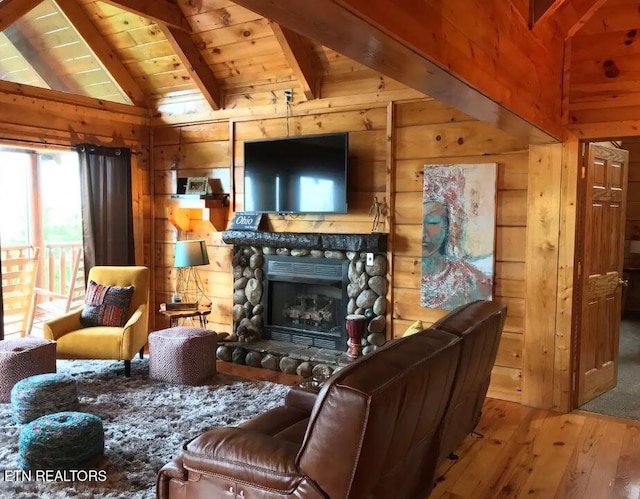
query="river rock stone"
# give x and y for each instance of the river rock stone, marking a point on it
(338, 255)
(353, 290)
(377, 325)
(305, 369)
(248, 310)
(244, 260)
(237, 312)
(369, 313)
(248, 272)
(247, 251)
(353, 273)
(362, 281)
(298, 252)
(317, 253)
(376, 339)
(256, 261)
(379, 285)
(270, 361)
(257, 310)
(259, 274)
(380, 305)
(239, 355)
(360, 266)
(237, 271)
(366, 299)
(236, 258)
(351, 306)
(253, 359)
(239, 297)
(256, 320)
(253, 291)
(240, 283)
(321, 372)
(246, 323)
(359, 311)
(224, 352)
(379, 266)
(368, 349)
(268, 250)
(352, 256)
(283, 251)
(288, 365)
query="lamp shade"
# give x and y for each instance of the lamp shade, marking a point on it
(191, 254)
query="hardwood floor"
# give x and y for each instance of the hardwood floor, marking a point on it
(530, 453)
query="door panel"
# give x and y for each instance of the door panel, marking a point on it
(601, 263)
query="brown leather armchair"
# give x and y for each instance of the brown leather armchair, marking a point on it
(375, 430)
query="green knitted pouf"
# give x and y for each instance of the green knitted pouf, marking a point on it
(64, 440)
(43, 394)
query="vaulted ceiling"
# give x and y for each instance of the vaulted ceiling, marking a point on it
(162, 53)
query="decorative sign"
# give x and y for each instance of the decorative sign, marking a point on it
(245, 221)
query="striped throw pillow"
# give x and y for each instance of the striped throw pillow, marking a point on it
(105, 305)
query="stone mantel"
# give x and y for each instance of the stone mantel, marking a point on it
(375, 242)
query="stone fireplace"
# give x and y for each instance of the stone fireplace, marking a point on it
(297, 288)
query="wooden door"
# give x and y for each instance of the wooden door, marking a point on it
(601, 259)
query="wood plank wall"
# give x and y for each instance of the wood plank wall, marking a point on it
(31, 117)
(425, 131)
(428, 132)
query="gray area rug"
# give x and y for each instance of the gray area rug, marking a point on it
(145, 422)
(624, 400)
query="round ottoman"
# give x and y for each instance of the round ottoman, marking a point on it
(64, 440)
(43, 394)
(185, 355)
(24, 357)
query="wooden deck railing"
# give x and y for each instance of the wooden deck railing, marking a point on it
(55, 266)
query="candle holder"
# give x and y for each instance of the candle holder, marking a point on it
(356, 325)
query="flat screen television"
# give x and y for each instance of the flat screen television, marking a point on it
(296, 174)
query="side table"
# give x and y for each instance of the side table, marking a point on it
(175, 315)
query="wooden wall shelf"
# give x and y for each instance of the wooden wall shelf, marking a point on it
(198, 213)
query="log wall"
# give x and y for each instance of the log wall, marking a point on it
(398, 138)
(38, 118)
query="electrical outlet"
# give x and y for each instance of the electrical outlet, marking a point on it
(288, 95)
(370, 258)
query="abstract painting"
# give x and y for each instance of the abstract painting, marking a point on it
(458, 234)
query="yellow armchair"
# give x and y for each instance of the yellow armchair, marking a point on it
(107, 342)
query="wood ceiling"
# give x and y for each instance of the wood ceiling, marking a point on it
(159, 51)
(177, 55)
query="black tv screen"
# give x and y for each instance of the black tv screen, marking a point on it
(297, 174)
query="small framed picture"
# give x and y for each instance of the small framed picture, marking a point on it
(196, 185)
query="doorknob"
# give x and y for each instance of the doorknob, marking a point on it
(623, 282)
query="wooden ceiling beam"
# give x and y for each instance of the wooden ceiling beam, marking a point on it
(161, 11)
(78, 18)
(359, 32)
(12, 10)
(566, 19)
(303, 61)
(193, 62)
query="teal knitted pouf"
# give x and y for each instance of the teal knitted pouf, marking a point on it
(43, 394)
(64, 440)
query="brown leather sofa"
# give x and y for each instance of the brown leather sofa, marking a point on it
(377, 429)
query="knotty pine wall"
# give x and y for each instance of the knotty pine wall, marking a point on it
(405, 135)
(34, 118)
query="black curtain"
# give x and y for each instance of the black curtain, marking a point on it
(107, 215)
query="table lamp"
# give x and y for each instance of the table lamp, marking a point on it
(188, 255)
